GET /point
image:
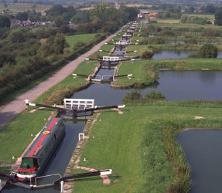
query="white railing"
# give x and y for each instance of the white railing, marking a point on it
(79, 103)
(110, 59)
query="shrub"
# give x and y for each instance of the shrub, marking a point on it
(147, 54)
(208, 51)
(155, 96)
(132, 96)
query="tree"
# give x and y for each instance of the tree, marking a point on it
(54, 45)
(59, 21)
(6, 58)
(208, 51)
(218, 16)
(22, 16)
(59, 43)
(17, 36)
(55, 10)
(4, 22)
(147, 54)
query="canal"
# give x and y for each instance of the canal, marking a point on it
(203, 146)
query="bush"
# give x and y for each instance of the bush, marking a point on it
(132, 96)
(147, 54)
(208, 51)
(155, 96)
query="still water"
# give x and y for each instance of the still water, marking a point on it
(170, 54)
(203, 152)
(190, 85)
(174, 85)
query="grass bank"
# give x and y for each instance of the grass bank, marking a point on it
(140, 146)
(145, 72)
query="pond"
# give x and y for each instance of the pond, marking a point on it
(171, 55)
(190, 85)
(203, 152)
(174, 85)
(219, 54)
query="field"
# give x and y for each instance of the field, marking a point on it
(140, 146)
(170, 34)
(169, 21)
(75, 41)
(201, 15)
(21, 7)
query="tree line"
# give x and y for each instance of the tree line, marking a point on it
(28, 53)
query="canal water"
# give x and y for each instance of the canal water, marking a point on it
(174, 85)
(203, 152)
(61, 158)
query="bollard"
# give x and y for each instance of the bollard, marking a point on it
(61, 186)
(81, 136)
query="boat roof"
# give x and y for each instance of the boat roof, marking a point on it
(42, 138)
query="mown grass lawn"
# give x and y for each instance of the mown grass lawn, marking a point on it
(140, 146)
(138, 68)
(19, 133)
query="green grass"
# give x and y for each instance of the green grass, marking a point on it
(188, 64)
(15, 137)
(138, 48)
(69, 85)
(141, 76)
(145, 72)
(186, 36)
(76, 40)
(168, 21)
(141, 148)
(209, 16)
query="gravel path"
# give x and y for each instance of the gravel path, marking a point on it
(10, 110)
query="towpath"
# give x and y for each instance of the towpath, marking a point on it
(10, 110)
